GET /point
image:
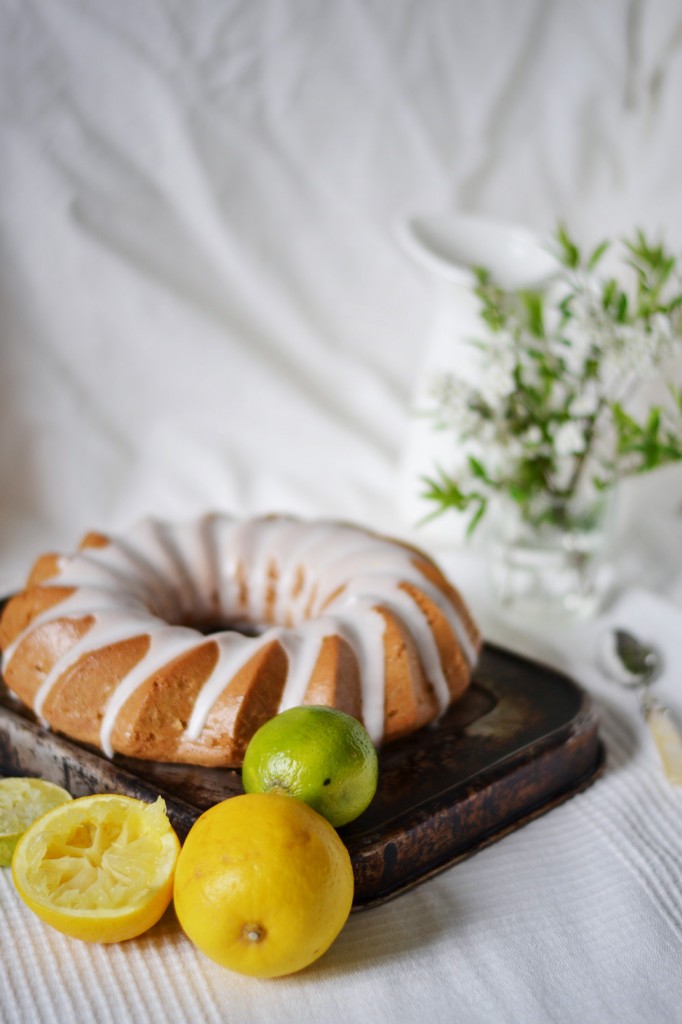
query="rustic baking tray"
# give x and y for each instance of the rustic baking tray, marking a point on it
(522, 740)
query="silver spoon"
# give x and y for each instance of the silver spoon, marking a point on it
(635, 664)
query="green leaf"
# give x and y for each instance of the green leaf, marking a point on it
(479, 470)
(667, 269)
(445, 492)
(518, 494)
(534, 304)
(596, 254)
(546, 382)
(653, 422)
(621, 311)
(609, 290)
(676, 397)
(448, 495)
(570, 254)
(477, 516)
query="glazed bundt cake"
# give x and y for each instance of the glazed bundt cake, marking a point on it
(176, 642)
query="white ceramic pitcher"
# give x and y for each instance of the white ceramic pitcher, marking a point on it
(447, 245)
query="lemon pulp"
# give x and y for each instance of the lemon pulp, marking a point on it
(22, 801)
(100, 868)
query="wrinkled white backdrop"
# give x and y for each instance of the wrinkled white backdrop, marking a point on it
(203, 303)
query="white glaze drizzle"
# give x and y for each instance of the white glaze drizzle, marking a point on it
(166, 644)
(234, 651)
(162, 573)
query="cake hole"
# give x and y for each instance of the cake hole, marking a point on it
(235, 626)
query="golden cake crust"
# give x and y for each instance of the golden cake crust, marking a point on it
(106, 644)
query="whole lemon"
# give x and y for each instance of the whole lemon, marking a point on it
(316, 754)
(263, 884)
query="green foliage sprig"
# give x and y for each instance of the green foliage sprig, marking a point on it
(549, 416)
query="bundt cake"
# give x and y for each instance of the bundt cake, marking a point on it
(176, 642)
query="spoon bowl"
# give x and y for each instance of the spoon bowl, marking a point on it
(628, 660)
(636, 664)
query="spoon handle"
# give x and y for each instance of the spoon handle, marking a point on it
(667, 738)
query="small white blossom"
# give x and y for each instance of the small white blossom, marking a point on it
(487, 433)
(578, 334)
(514, 448)
(561, 395)
(553, 364)
(532, 437)
(497, 384)
(563, 473)
(587, 402)
(497, 381)
(453, 398)
(569, 439)
(662, 344)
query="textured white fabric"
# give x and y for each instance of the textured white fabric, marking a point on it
(203, 305)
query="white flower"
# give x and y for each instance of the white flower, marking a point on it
(532, 437)
(578, 335)
(563, 473)
(487, 433)
(530, 408)
(453, 401)
(662, 338)
(569, 439)
(497, 380)
(587, 402)
(560, 396)
(661, 325)
(513, 448)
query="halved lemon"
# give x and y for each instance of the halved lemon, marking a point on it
(99, 868)
(22, 800)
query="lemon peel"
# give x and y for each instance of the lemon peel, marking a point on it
(263, 884)
(99, 868)
(22, 801)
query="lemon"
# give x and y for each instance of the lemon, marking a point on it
(316, 754)
(99, 868)
(263, 884)
(22, 800)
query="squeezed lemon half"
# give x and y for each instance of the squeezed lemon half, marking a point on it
(22, 800)
(99, 868)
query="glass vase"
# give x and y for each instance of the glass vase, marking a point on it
(553, 565)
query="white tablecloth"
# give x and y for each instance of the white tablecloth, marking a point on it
(203, 306)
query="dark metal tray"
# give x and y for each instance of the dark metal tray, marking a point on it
(522, 740)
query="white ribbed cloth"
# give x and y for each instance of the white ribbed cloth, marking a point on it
(576, 917)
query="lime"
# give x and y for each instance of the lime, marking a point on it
(99, 868)
(263, 884)
(319, 755)
(22, 800)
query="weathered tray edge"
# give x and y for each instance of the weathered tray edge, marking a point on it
(40, 753)
(588, 750)
(28, 749)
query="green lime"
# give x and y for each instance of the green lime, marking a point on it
(22, 800)
(319, 755)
